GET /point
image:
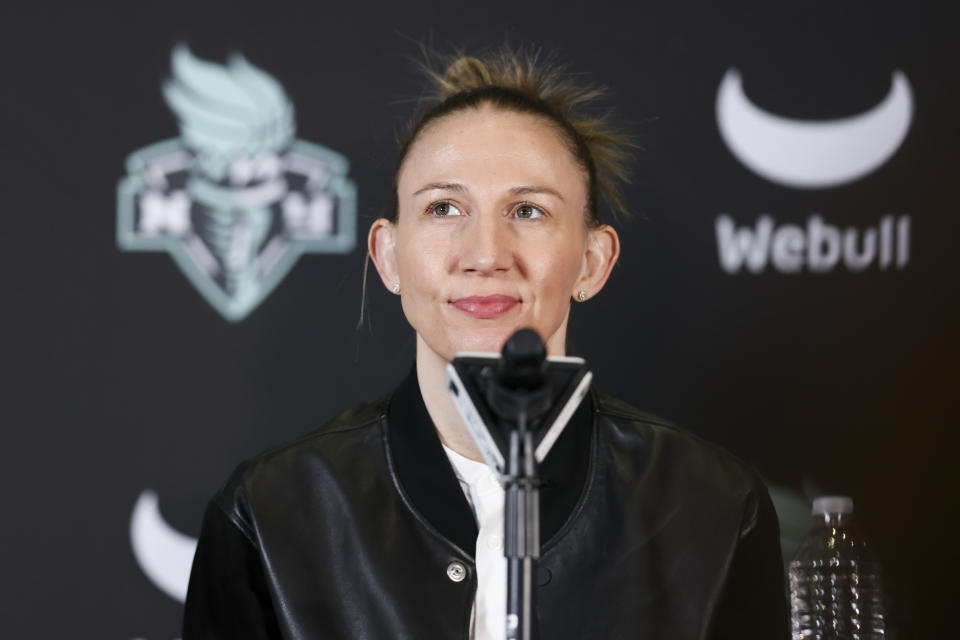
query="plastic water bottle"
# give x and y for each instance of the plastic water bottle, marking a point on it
(835, 584)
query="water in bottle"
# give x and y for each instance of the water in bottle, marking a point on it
(835, 583)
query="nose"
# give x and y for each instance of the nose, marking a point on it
(486, 245)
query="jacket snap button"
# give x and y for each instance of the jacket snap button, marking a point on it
(544, 576)
(456, 571)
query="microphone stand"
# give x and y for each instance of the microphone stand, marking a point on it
(521, 529)
(519, 395)
(510, 406)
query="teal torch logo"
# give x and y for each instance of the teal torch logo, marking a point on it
(236, 198)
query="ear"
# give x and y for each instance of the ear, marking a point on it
(603, 249)
(381, 247)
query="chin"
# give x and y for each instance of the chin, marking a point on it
(490, 340)
(447, 341)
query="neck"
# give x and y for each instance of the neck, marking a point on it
(446, 419)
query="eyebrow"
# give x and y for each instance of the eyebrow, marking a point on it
(443, 186)
(515, 191)
(520, 191)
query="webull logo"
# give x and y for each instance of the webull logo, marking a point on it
(812, 155)
(817, 247)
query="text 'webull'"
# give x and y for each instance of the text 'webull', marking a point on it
(816, 248)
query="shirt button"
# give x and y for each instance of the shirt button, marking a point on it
(495, 542)
(492, 480)
(456, 571)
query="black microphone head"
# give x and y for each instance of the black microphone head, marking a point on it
(523, 362)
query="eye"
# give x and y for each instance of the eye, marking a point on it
(443, 210)
(528, 212)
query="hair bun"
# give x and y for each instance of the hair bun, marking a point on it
(525, 82)
(465, 74)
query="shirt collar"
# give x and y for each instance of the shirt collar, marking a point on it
(470, 471)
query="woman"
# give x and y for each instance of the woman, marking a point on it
(384, 524)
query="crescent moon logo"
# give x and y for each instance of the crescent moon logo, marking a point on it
(812, 154)
(164, 554)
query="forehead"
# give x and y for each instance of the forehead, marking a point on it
(491, 146)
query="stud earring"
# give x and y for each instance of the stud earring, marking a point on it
(396, 287)
(582, 295)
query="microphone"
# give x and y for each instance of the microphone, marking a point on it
(520, 386)
(523, 362)
(492, 390)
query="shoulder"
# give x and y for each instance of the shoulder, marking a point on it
(605, 404)
(350, 438)
(682, 458)
(347, 425)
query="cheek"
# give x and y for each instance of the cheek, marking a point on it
(421, 264)
(555, 278)
(560, 267)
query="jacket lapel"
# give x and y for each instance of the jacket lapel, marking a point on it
(423, 469)
(425, 474)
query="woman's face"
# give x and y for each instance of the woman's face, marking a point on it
(490, 235)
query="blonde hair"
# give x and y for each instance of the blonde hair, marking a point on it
(523, 82)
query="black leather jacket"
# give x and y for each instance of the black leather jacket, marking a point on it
(360, 530)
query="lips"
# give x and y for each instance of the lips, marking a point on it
(486, 306)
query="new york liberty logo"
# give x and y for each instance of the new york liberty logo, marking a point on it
(236, 199)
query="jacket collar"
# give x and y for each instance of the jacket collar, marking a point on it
(427, 477)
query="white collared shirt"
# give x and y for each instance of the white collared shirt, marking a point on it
(485, 495)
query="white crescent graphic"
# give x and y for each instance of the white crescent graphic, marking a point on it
(164, 554)
(812, 154)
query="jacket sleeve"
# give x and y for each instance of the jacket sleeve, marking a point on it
(227, 597)
(754, 602)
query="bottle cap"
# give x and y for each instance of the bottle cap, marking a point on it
(832, 504)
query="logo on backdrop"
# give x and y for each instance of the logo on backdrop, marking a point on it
(236, 199)
(164, 554)
(806, 154)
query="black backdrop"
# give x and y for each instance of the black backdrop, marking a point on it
(120, 378)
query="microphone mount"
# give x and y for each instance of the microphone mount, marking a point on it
(515, 405)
